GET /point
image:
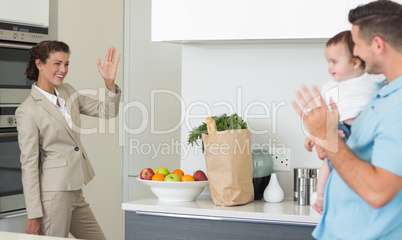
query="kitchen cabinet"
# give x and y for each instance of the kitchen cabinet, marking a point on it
(140, 226)
(249, 21)
(201, 219)
(32, 12)
(246, 20)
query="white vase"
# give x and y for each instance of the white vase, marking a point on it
(273, 192)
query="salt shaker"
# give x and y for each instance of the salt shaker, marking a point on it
(312, 185)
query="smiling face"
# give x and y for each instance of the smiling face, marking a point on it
(53, 71)
(340, 62)
(365, 52)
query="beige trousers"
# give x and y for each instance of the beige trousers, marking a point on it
(68, 212)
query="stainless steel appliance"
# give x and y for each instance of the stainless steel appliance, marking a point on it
(11, 195)
(12, 203)
(22, 24)
(16, 40)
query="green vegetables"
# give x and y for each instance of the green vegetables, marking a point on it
(223, 123)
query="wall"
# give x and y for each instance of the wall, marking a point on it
(150, 67)
(257, 80)
(90, 27)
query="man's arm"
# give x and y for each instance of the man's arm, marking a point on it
(374, 185)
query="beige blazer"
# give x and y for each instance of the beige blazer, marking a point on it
(43, 130)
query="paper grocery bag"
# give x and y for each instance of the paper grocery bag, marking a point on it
(229, 162)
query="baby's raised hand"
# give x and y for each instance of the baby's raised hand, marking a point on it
(320, 152)
(309, 144)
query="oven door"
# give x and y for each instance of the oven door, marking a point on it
(14, 59)
(11, 194)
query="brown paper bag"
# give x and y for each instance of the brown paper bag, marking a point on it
(228, 157)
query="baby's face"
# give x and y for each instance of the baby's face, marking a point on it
(340, 62)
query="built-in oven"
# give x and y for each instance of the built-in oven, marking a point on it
(11, 194)
(12, 203)
(16, 40)
(23, 23)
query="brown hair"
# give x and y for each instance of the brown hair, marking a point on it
(345, 37)
(42, 51)
(381, 18)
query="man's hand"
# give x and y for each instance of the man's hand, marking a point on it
(33, 226)
(373, 184)
(321, 122)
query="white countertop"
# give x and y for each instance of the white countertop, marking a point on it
(287, 211)
(21, 236)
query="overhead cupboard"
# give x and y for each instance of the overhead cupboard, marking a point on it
(31, 12)
(251, 21)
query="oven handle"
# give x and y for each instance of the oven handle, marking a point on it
(13, 214)
(9, 134)
(17, 46)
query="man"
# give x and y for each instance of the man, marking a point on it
(363, 197)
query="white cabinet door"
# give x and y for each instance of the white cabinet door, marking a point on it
(254, 20)
(34, 12)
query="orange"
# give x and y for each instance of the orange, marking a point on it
(187, 178)
(158, 177)
(179, 173)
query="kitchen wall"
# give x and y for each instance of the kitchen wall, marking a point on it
(90, 27)
(257, 81)
(152, 80)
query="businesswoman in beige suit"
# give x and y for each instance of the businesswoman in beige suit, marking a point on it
(48, 124)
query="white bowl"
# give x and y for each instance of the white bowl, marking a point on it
(175, 191)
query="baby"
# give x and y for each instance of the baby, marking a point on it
(351, 89)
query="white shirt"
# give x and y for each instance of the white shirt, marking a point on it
(352, 95)
(53, 99)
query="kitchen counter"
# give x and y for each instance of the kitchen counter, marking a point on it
(21, 236)
(286, 211)
(284, 220)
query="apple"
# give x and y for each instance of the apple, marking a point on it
(163, 170)
(147, 173)
(172, 178)
(200, 176)
(156, 170)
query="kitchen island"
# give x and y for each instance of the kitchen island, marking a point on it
(22, 236)
(201, 219)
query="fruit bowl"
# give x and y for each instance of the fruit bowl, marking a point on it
(175, 191)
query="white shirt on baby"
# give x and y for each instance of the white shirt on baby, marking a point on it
(351, 96)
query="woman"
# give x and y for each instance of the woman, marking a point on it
(54, 163)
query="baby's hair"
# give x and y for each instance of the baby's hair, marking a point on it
(346, 37)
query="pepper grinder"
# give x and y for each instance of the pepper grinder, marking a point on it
(303, 191)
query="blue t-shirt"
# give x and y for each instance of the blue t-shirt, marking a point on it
(376, 138)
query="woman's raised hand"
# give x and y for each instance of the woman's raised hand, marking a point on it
(109, 68)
